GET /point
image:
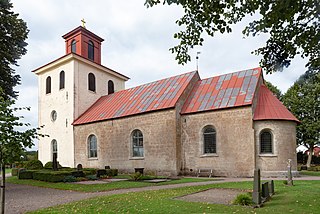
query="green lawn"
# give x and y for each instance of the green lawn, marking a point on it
(99, 187)
(7, 171)
(301, 198)
(311, 173)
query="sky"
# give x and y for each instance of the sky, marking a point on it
(137, 42)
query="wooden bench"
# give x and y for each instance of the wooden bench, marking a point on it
(204, 171)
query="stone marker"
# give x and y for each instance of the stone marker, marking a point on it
(290, 181)
(265, 190)
(271, 187)
(256, 194)
(54, 162)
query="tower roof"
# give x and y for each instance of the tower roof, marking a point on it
(83, 30)
(270, 108)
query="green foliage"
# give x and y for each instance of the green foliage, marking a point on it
(48, 165)
(276, 92)
(70, 178)
(13, 33)
(25, 174)
(33, 164)
(303, 100)
(89, 171)
(78, 174)
(92, 177)
(136, 176)
(14, 172)
(243, 199)
(51, 176)
(293, 27)
(112, 172)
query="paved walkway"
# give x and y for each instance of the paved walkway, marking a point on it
(23, 198)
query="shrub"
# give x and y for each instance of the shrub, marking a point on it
(48, 165)
(25, 174)
(101, 172)
(33, 164)
(50, 176)
(112, 172)
(243, 199)
(69, 178)
(92, 177)
(285, 182)
(89, 171)
(14, 172)
(81, 179)
(77, 174)
(136, 176)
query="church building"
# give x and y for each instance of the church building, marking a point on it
(230, 123)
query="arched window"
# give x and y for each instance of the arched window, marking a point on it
(48, 85)
(73, 46)
(137, 144)
(110, 87)
(92, 146)
(265, 142)
(54, 147)
(209, 140)
(62, 80)
(91, 82)
(91, 50)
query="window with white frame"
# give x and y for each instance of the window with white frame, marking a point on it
(92, 146)
(137, 144)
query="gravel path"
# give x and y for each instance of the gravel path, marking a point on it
(23, 198)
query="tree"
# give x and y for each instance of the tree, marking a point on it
(13, 33)
(293, 27)
(276, 92)
(303, 100)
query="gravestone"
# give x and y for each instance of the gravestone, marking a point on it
(256, 194)
(265, 190)
(271, 187)
(290, 181)
(79, 167)
(54, 162)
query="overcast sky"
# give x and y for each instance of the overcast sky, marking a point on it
(137, 42)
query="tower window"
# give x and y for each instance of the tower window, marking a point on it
(73, 46)
(54, 146)
(61, 85)
(91, 50)
(110, 87)
(91, 82)
(48, 85)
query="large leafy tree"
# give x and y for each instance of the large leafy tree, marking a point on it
(292, 25)
(303, 100)
(276, 92)
(13, 33)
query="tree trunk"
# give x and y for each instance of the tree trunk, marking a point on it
(310, 156)
(3, 170)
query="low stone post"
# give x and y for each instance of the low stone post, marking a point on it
(256, 195)
(290, 181)
(54, 162)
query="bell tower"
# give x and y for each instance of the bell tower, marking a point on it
(84, 43)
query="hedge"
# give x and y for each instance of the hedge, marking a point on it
(49, 165)
(14, 172)
(33, 164)
(51, 176)
(25, 174)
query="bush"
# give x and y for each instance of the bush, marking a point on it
(243, 199)
(51, 176)
(14, 172)
(70, 178)
(77, 174)
(101, 172)
(33, 164)
(89, 171)
(48, 165)
(92, 177)
(25, 174)
(136, 176)
(112, 172)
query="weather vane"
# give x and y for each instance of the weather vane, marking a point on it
(197, 58)
(83, 22)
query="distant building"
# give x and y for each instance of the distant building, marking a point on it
(230, 123)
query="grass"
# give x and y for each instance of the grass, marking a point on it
(300, 198)
(7, 171)
(99, 187)
(311, 173)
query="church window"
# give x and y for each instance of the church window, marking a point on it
(53, 115)
(73, 46)
(266, 142)
(137, 144)
(110, 87)
(48, 85)
(209, 140)
(92, 146)
(91, 82)
(54, 146)
(91, 50)
(62, 80)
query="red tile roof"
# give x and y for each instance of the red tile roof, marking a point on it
(153, 96)
(270, 108)
(229, 90)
